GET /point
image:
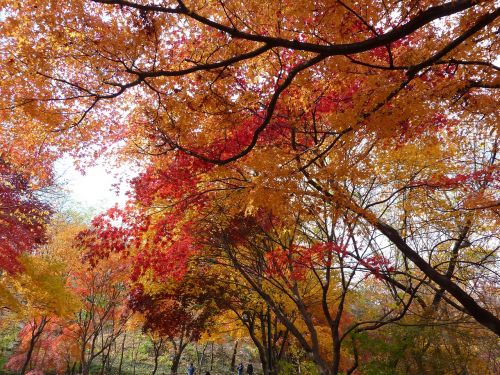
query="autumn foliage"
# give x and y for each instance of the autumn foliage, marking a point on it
(323, 172)
(23, 216)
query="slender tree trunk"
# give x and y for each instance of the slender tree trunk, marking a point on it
(121, 354)
(356, 358)
(36, 332)
(106, 360)
(233, 357)
(82, 358)
(103, 363)
(88, 361)
(336, 354)
(134, 355)
(28, 355)
(270, 360)
(157, 351)
(212, 358)
(156, 364)
(202, 358)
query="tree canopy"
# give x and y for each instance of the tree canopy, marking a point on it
(298, 156)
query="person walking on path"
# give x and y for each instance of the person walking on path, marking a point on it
(191, 369)
(250, 369)
(240, 369)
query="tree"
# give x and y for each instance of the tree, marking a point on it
(72, 313)
(266, 332)
(279, 95)
(159, 347)
(177, 315)
(283, 266)
(286, 240)
(413, 347)
(23, 217)
(46, 343)
(37, 297)
(377, 122)
(309, 274)
(105, 311)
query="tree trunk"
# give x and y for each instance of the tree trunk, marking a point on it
(483, 316)
(175, 365)
(28, 355)
(156, 365)
(212, 358)
(178, 350)
(36, 331)
(85, 369)
(157, 351)
(233, 357)
(121, 354)
(202, 358)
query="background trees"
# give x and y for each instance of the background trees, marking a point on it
(312, 153)
(23, 216)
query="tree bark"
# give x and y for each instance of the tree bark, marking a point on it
(121, 354)
(212, 358)
(36, 331)
(178, 350)
(157, 346)
(233, 357)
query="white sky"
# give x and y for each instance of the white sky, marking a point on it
(95, 190)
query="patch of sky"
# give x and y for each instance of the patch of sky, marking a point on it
(100, 186)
